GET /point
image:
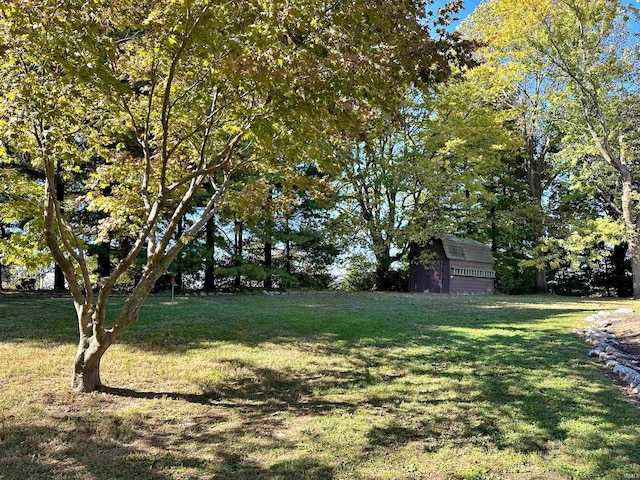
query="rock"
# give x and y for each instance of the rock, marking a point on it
(600, 339)
(624, 310)
(622, 370)
(602, 336)
(605, 350)
(597, 316)
(631, 377)
(615, 352)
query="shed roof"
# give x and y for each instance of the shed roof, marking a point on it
(466, 249)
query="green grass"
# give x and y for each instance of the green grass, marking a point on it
(317, 386)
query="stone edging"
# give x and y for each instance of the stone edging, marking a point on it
(605, 348)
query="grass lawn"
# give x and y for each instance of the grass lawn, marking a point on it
(317, 386)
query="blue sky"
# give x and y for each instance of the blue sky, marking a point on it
(470, 5)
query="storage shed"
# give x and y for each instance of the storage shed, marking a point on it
(449, 264)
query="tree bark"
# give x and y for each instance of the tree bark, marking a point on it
(209, 261)
(634, 255)
(630, 218)
(620, 269)
(238, 251)
(268, 246)
(540, 285)
(268, 263)
(383, 266)
(540, 279)
(287, 249)
(58, 274)
(104, 260)
(86, 367)
(58, 279)
(179, 231)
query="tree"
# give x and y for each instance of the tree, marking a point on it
(528, 88)
(21, 241)
(408, 177)
(587, 47)
(278, 227)
(205, 89)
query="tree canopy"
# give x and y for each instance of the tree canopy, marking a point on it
(142, 106)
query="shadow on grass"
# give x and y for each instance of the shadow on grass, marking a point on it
(104, 455)
(438, 375)
(261, 393)
(252, 320)
(520, 392)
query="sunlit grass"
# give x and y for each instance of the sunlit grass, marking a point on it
(317, 386)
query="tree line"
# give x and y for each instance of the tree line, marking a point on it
(201, 136)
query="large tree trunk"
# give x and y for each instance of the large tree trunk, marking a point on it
(58, 274)
(287, 252)
(540, 285)
(620, 270)
(268, 246)
(58, 279)
(104, 260)
(540, 279)
(536, 161)
(630, 220)
(238, 251)
(209, 261)
(268, 263)
(86, 367)
(383, 266)
(634, 256)
(178, 279)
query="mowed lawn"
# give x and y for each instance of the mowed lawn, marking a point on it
(317, 386)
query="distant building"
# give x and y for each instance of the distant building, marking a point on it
(449, 264)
